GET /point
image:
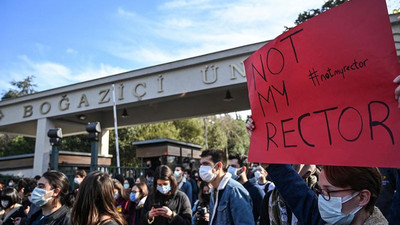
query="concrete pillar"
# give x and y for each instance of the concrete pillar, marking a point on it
(42, 147)
(104, 142)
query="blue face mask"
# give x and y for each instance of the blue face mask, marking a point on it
(164, 189)
(232, 170)
(37, 197)
(331, 211)
(133, 197)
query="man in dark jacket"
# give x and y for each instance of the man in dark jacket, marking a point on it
(183, 184)
(195, 189)
(49, 195)
(238, 169)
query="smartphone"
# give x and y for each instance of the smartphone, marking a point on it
(157, 205)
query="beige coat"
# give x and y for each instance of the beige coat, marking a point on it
(376, 218)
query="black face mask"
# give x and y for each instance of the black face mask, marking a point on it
(205, 197)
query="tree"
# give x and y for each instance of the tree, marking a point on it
(190, 130)
(18, 145)
(76, 143)
(306, 15)
(237, 140)
(24, 87)
(217, 136)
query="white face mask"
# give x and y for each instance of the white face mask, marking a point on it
(331, 211)
(37, 197)
(232, 170)
(126, 186)
(164, 189)
(257, 174)
(206, 173)
(76, 180)
(177, 174)
(116, 195)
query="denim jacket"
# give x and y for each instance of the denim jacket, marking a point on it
(235, 206)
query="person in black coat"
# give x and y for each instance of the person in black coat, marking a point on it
(11, 209)
(49, 195)
(166, 204)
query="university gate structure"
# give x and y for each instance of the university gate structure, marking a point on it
(186, 88)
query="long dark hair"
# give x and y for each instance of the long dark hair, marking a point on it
(95, 199)
(124, 193)
(10, 194)
(142, 189)
(57, 179)
(163, 172)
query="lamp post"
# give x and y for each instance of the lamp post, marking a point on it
(55, 136)
(94, 130)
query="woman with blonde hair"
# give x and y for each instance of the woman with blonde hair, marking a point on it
(95, 202)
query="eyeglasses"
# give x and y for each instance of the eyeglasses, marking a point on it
(326, 194)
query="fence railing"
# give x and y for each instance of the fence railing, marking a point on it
(125, 171)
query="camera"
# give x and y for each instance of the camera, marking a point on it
(201, 220)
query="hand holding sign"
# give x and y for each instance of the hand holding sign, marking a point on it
(397, 90)
(319, 92)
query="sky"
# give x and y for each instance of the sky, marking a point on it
(67, 42)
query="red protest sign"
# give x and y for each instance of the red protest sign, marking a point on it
(323, 92)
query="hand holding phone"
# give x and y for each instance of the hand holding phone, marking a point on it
(156, 205)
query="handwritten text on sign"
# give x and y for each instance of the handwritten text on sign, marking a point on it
(322, 93)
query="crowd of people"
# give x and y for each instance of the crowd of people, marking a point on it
(223, 191)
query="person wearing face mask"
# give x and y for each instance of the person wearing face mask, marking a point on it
(79, 176)
(138, 197)
(128, 182)
(25, 186)
(121, 197)
(346, 195)
(49, 195)
(201, 210)
(195, 189)
(260, 177)
(237, 168)
(230, 202)
(183, 183)
(11, 183)
(274, 208)
(166, 204)
(150, 178)
(11, 209)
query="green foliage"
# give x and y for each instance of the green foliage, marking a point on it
(77, 143)
(155, 131)
(234, 134)
(217, 137)
(306, 15)
(5, 140)
(24, 87)
(190, 130)
(16, 146)
(127, 151)
(223, 133)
